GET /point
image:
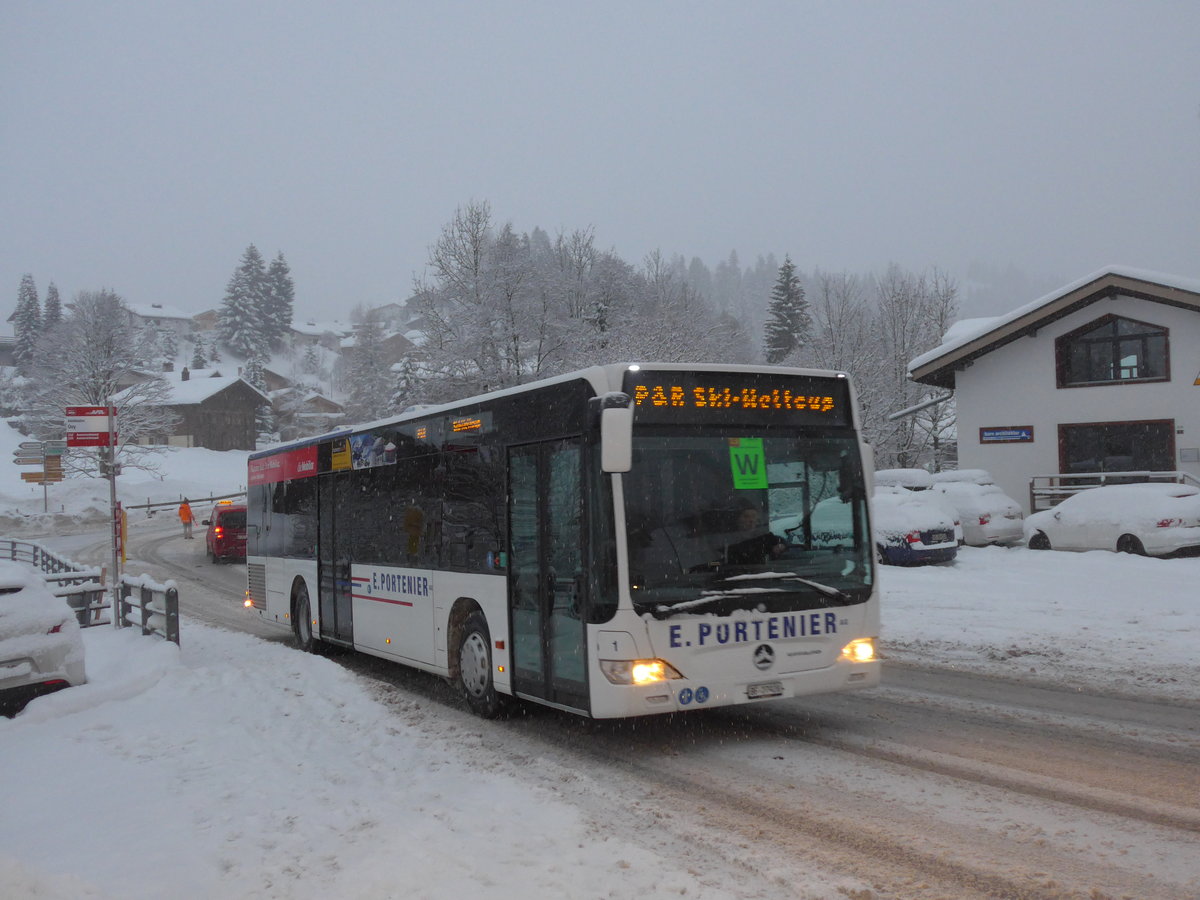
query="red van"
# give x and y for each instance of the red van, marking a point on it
(226, 535)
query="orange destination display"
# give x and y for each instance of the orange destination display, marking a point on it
(735, 399)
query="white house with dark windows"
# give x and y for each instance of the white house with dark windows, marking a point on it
(1101, 376)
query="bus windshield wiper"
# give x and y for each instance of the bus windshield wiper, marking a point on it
(826, 589)
(710, 597)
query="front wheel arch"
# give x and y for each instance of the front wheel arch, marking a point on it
(472, 667)
(1039, 541)
(1130, 543)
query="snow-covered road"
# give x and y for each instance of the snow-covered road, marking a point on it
(1037, 735)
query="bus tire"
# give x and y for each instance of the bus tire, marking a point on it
(475, 668)
(302, 621)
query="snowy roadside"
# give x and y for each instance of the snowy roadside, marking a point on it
(1099, 621)
(240, 768)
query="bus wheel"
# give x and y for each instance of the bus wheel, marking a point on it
(302, 621)
(475, 668)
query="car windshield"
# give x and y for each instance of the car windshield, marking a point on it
(718, 523)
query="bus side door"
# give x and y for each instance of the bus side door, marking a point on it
(546, 574)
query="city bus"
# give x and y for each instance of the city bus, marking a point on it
(622, 541)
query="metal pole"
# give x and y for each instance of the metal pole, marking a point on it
(112, 518)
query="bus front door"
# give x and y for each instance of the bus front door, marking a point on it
(546, 577)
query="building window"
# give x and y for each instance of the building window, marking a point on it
(1097, 447)
(1113, 350)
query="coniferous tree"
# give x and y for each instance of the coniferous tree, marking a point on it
(370, 383)
(52, 312)
(788, 322)
(199, 361)
(254, 373)
(311, 363)
(168, 343)
(27, 323)
(279, 297)
(239, 320)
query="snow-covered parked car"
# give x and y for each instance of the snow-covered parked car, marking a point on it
(41, 649)
(988, 515)
(910, 530)
(1149, 519)
(920, 481)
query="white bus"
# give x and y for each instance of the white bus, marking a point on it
(622, 541)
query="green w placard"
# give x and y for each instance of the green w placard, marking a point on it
(748, 463)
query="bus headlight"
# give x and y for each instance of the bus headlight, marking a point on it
(860, 650)
(638, 671)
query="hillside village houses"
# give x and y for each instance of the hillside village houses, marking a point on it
(217, 407)
(1099, 377)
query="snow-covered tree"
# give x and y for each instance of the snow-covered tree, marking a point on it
(27, 323)
(90, 360)
(279, 297)
(52, 313)
(310, 364)
(199, 360)
(168, 343)
(788, 321)
(370, 384)
(147, 346)
(239, 320)
(264, 417)
(912, 313)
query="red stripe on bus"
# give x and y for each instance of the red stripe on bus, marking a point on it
(380, 599)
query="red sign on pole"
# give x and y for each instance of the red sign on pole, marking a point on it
(87, 426)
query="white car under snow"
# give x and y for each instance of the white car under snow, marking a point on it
(1151, 519)
(40, 646)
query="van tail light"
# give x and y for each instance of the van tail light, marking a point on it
(218, 531)
(984, 519)
(913, 537)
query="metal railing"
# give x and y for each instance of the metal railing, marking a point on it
(155, 608)
(174, 504)
(1047, 491)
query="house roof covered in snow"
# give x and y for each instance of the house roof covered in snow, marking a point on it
(200, 386)
(314, 328)
(972, 338)
(157, 311)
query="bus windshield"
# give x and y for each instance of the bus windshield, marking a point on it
(720, 522)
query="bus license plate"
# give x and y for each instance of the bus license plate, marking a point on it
(766, 689)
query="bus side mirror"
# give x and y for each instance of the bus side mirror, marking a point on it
(869, 469)
(616, 439)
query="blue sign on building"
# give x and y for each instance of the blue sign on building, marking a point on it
(1006, 434)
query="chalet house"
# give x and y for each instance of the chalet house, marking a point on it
(393, 348)
(328, 334)
(302, 413)
(158, 316)
(1101, 376)
(205, 321)
(215, 411)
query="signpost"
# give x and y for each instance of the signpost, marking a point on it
(47, 455)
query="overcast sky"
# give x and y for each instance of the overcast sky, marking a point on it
(144, 145)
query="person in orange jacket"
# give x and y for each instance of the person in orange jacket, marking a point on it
(186, 517)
